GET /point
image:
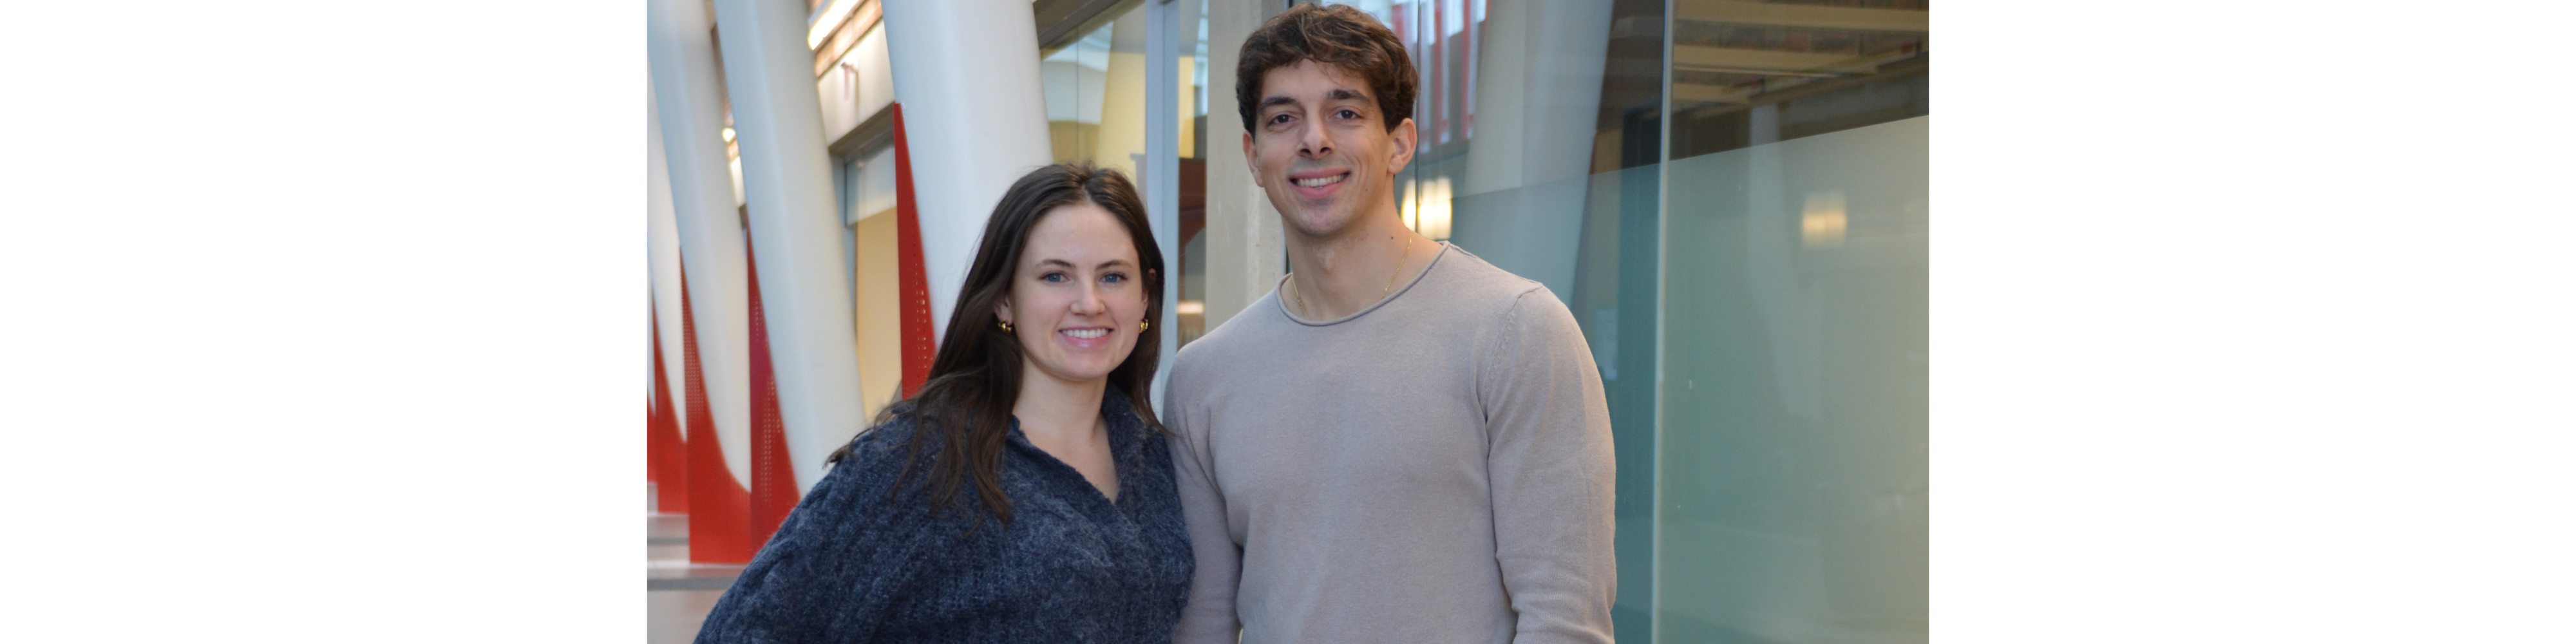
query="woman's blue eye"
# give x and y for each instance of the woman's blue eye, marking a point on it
(1051, 277)
(1114, 278)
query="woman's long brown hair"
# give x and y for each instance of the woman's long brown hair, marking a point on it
(966, 405)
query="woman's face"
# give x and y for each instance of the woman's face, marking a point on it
(1076, 295)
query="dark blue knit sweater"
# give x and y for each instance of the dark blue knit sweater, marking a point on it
(1070, 566)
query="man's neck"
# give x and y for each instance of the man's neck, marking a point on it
(1339, 275)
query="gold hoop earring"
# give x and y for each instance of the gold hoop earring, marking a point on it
(1006, 327)
(1142, 325)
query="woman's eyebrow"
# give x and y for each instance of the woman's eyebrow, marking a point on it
(1058, 262)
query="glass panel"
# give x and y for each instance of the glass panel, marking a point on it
(1827, 65)
(1095, 94)
(1614, 300)
(1614, 294)
(1442, 38)
(1539, 138)
(1790, 506)
(1192, 21)
(1191, 68)
(1630, 120)
(1794, 445)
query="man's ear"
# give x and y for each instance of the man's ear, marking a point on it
(1405, 137)
(1251, 163)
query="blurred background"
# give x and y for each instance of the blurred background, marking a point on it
(1731, 195)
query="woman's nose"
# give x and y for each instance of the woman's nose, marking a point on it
(1088, 301)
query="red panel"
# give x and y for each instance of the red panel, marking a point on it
(1439, 63)
(719, 523)
(919, 345)
(662, 445)
(1475, 22)
(773, 477)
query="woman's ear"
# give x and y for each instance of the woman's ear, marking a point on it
(1002, 309)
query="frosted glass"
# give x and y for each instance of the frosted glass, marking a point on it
(1591, 240)
(1792, 450)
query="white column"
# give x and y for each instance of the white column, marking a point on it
(966, 73)
(662, 257)
(795, 227)
(690, 97)
(1245, 248)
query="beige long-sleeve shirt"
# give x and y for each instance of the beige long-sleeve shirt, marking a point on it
(1435, 468)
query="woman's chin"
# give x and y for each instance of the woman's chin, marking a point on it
(1079, 374)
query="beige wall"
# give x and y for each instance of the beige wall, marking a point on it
(879, 300)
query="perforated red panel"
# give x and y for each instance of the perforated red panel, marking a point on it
(919, 339)
(773, 477)
(663, 448)
(719, 519)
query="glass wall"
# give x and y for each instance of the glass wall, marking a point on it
(1539, 124)
(1096, 93)
(1792, 451)
(1792, 506)
(1190, 68)
(1749, 271)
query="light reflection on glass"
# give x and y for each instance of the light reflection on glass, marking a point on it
(1426, 207)
(1822, 223)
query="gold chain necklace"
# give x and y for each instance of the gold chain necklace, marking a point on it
(1381, 293)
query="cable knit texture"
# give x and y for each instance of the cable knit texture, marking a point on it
(1071, 566)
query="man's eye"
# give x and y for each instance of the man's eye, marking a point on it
(1348, 114)
(1278, 119)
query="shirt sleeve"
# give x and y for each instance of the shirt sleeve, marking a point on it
(1209, 618)
(1552, 472)
(835, 563)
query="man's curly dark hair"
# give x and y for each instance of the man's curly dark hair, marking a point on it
(1334, 35)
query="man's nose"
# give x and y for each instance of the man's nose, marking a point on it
(1313, 139)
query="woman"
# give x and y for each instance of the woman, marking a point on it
(1025, 493)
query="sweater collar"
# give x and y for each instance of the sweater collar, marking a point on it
(1127, 430)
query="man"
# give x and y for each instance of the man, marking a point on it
(1400, 443)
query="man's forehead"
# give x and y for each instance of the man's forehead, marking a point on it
(1337, 83)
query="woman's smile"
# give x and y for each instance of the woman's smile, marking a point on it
(1085, 337)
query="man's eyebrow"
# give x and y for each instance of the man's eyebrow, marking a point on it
(1339, 94)
(1276, 99)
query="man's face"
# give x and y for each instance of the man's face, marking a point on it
(1321, 150)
